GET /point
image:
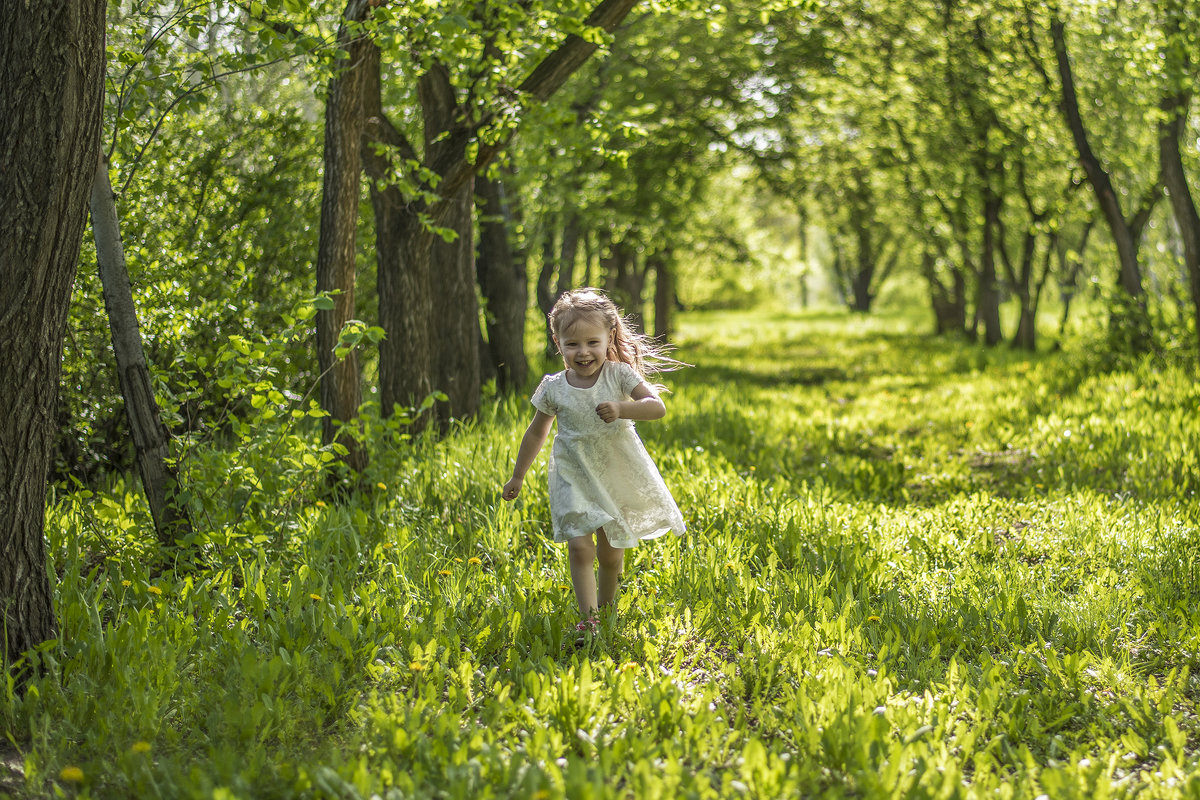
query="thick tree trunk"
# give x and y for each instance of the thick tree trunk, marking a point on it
(51, 95)
(502, 281)
(402, 251)
(403, 248)
(151, 440)
(341, 391)
(455, 320)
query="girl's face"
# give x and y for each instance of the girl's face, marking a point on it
(584, 345)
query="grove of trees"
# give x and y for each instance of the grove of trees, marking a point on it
(434, 174)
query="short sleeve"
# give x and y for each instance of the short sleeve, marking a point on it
(627, 378)
(542, 400)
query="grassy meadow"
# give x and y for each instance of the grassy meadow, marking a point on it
(914, 568)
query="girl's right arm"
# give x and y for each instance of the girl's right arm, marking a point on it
(531, 445)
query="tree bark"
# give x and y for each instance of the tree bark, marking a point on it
(341, 391)
(664, 295)
(51, 98)
(988, 302)
(455, 320)
(502, 281)
(1120, 228)
(402, 251)
(1170, 131)
(151, 440)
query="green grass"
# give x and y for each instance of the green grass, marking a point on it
(914, 568)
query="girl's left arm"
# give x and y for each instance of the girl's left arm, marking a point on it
(645, 405)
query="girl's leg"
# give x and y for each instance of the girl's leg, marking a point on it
(612, 562)
(581, 553)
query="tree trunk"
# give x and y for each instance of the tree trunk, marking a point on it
(628, 280)
(51, 98)
(546, 295)
(988, 304)
(1170, 131)
(862, 270)
(502, 281)
(402, 249)
(1124, 237)
(567, 252)
(455, 320)
(151, 440)
(341, 392)
(664, 295)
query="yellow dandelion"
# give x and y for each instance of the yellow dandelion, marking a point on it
(457, 560)
(316, 597)
(417, 666)
(873, 618)
(388, 545)
(71, 774)
(729, 565)
(752, 468)
(153, 590)
(381, 485)
(473, 560)
(444, 572)
(140, 747)
(320, 504)
(564, 587)
(629, 666)
(127, 583)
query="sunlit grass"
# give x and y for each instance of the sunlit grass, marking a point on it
(914, 567)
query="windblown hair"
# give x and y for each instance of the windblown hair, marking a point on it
(647, 356)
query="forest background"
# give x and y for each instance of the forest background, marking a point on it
(323, 239)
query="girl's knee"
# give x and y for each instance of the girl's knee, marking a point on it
(581, 548)
(611, 557)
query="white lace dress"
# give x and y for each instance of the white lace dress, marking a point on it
(600, 473)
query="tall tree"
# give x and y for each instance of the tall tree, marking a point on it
(51, 85)
(341, 390)
(1125, 228)
(1178, 45)
(503, 284)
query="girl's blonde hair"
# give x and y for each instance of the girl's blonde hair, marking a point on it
(646, 356)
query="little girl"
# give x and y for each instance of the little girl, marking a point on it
(602, 480)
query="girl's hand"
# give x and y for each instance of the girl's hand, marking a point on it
(609, 411)
(512, 488)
